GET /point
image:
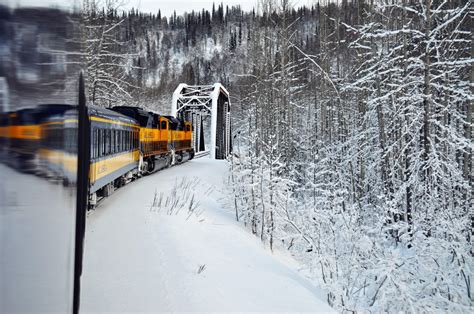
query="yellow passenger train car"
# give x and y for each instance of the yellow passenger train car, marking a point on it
(114, 150)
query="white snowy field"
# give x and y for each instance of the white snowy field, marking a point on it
(144, 254)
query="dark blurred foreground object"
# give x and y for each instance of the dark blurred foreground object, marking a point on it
(43, 196)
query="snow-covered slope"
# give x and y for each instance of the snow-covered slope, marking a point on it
(144, 254)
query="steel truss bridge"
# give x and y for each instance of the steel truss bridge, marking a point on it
(198, 103)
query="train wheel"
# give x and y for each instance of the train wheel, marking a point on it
(151, 165)
(108, 189)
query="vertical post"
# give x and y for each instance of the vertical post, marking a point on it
(227, 132)
(197, 132)
(83, 156)
(214, 111)
(202, 146)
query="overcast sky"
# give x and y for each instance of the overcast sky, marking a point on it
(167, 6)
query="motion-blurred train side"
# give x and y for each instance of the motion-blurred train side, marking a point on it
(125, 144)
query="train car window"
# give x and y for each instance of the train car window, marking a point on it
(96, 143)
(106, 143)
(110, 141)
(124, 145)
(102, 131)
(107, 140)
(119, 140)
(103, 142)
(122, 142)
(100, 145)
(127, 140)
(93, 143)
(104, 136)
(112, 138)
(163, 125)
(134, 136)
(188, 128)
(117, 148)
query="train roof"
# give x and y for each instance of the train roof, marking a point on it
(174, 119)
(143, 117)
(110, 114)
(23, 116)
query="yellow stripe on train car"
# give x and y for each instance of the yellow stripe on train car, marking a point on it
(111, 164)
(4, 131)
(149, 134)
(178, 135)
(101, 168)
(25, 132)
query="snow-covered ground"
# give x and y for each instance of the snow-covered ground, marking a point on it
(37, 220)
(142, 253)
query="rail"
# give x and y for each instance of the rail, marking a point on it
(201, 154)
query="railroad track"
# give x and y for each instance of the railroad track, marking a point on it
(201, 154)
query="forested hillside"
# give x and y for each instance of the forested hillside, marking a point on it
(353, 132)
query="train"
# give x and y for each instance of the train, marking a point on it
(126, 143)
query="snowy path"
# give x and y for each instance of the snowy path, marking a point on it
(141, 259)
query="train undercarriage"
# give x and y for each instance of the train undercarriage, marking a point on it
(147, 166)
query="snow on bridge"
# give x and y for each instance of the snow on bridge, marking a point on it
(142, 253)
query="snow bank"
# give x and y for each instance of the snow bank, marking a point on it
(144, 254)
